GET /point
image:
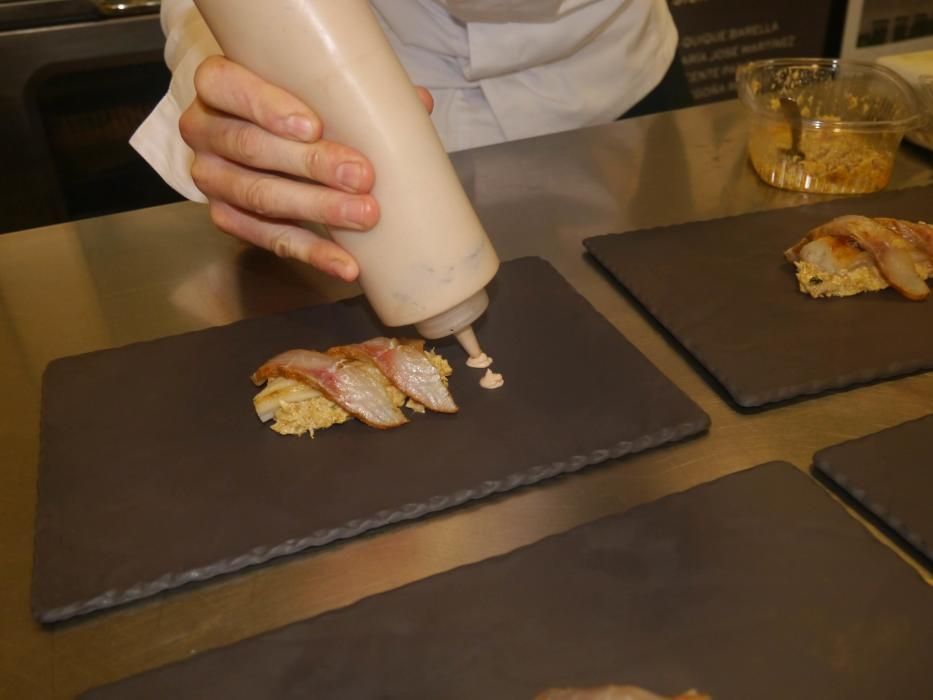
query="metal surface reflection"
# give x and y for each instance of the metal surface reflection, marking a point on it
(151, 273)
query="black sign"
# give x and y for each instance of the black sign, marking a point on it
(716, 36)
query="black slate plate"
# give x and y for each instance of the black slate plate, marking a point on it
(723, 289)
(154, 471)
(753, 586)
(889, 474)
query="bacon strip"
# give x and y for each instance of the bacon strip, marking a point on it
(894, 262)
(407, 367)
(919, 233)
(349, 384)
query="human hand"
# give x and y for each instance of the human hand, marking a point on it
(261, 162)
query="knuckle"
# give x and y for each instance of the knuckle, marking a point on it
(202, 77)
(247, 143)
(187, 125)
(199, 173)
(220, 217)
(256, 194)
(282, 243)
(206, 72)
(313, 162)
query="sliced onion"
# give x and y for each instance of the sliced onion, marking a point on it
(281, 390)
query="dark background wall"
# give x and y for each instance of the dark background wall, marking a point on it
(718, 35)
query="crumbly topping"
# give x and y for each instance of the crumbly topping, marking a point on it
(414, 406)
(817, 282)
(443, 366)
(835, 161)
(300, 417)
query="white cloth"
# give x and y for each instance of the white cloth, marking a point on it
(498, 69)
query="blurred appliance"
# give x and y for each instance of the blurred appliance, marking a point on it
(875, 28)
(76, 79)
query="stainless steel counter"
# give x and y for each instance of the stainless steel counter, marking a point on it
(105, 282)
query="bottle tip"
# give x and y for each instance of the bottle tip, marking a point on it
(467, 339)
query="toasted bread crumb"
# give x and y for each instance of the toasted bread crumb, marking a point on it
(300, 417)
(818, 283)
(414, 406)
(443, 366)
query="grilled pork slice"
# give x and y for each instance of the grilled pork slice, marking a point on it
(418, 374)
(307, 390)
(853, 254)
(919, 233)
(612, 692)
(356, 387)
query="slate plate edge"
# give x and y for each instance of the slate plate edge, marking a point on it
(880, 194)
(753, 400)
(352, 528)
(859, 495)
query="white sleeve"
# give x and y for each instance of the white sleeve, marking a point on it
(188, 42)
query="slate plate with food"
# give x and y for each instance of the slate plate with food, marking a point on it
(155, 470)
(726, 292)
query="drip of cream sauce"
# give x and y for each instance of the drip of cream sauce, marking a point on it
(481, 361)
(491, 380)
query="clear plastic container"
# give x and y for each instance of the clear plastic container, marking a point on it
(850, 117)
(923, 136)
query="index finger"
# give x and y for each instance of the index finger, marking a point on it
(229, 87)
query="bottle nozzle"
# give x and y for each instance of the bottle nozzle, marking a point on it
(467, 339)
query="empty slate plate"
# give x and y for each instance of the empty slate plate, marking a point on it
(890, 475)
(723, 289)
(154, 470)
(754, 586)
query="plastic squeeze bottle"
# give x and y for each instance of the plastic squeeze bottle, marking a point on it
(428, 260)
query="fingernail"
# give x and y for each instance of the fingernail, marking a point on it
(350, 175)
(300, 127)
(354, 212)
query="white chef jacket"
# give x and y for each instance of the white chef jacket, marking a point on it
(498, 69)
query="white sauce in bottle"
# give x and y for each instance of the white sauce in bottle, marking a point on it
(429, 254)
